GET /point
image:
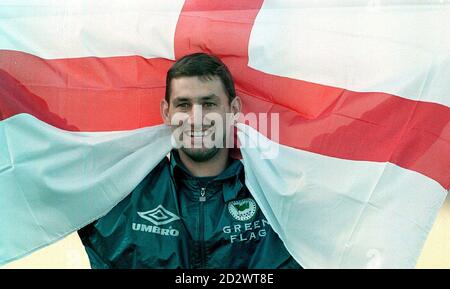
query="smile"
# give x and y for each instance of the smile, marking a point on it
(199, 133)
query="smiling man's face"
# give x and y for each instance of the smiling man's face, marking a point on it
(198, 109)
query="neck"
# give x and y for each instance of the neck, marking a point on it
(210, 168)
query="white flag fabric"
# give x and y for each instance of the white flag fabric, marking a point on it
(54, 182)
(334, 213)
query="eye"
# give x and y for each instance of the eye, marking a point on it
(183, 105)
(209, 104)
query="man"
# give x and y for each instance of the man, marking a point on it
(193, 210)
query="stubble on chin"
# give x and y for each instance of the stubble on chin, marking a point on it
(200, 155)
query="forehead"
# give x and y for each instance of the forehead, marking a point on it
(196, 87)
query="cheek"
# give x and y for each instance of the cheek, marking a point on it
(175, 118)
(221, 124)
(169, 116)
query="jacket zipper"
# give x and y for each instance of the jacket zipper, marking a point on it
(202, 200)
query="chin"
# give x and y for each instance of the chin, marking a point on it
(200, 154)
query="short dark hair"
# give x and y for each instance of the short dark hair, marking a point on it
(203, 65)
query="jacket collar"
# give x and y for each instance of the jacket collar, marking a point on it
(231, 178)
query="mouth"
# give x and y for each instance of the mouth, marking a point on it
(199, 133)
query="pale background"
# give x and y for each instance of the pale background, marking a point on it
(69, 252)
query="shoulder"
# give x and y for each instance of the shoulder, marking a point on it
(161, 173)
(162, 170)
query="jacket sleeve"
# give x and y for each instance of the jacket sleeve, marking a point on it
(95, 260)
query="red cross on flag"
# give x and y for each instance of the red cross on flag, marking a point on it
(361, 90)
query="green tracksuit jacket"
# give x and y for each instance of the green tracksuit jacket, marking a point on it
(174, 220)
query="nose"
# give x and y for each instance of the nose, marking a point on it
(196, 117)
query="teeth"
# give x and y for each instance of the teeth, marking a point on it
(199, 133)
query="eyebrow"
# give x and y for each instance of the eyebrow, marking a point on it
(198, 98)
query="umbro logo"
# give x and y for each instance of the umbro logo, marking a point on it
(159, 216)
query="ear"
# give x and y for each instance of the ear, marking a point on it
(236, 105)
(164, 109)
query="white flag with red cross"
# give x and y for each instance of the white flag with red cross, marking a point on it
(361, 90)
